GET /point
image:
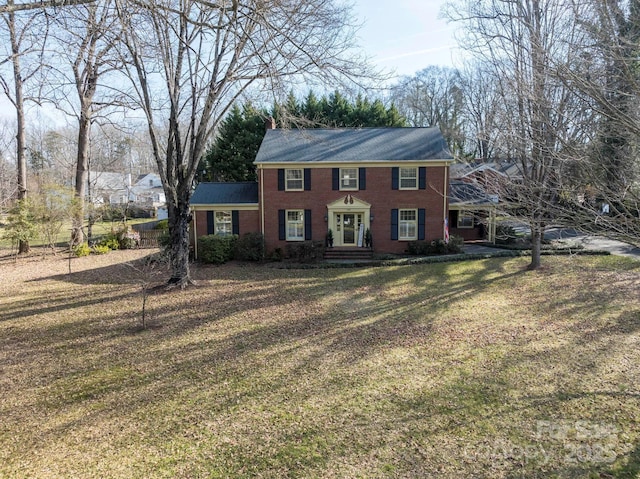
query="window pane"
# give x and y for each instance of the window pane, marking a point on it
(222, 223)
(295, 225)
(349, 178)
(408, 227)
(407, 215)
(408, 177)
(294, 215)
(465, 220)
(294, 179)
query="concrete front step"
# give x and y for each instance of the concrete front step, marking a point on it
(348, 253)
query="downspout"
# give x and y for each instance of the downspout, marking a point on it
(444, 196)
(195, 235)
(261, 186)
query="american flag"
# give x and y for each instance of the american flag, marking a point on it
(446, 230)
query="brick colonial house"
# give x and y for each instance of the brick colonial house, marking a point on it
(391, 181)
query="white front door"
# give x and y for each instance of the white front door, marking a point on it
(348, 227)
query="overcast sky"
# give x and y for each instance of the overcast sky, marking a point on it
(406, 35)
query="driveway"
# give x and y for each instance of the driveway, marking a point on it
(572, 236)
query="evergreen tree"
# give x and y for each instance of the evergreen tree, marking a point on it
(231, 156)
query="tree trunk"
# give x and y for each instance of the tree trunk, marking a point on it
(179, 219)
(23, 246)
(82, 177)
(537, 232)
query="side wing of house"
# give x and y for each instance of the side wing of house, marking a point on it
(472, 211)
(224, 209)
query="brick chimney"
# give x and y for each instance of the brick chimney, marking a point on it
(270, 124)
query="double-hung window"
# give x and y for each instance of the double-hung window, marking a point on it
(294, 180)
(465, 219)
(408, 224)
(295, 225)
(222, 223)
(349, 179)
(408, 178)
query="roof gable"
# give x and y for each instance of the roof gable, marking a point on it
(319, 145)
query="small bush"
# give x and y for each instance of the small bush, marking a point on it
(277, 255)
(126, 238)
(112, 213)
(100, 249)
(305, 251)
(162, 225)
(110, 241)
(216, 249)
(250, 247)
(82, 249)
(435, 247)
(456, 245)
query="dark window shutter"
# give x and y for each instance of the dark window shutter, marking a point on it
(422, 214)
(307, 225)
(422, 177)
(335, 179)
(280, 179)
(235, 222)
(394, 224)
(209, 222)
(362, 178)
(307, 179)
(282, 226)
(395, 178)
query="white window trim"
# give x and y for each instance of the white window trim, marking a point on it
(286, 179)
(349, 188)
(463, 214)
(400, 177)
(288, 222)
(401, 222)
(216, 222)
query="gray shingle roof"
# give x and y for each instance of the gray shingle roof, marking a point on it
(353, 145)
(468, 194)
(225, 193)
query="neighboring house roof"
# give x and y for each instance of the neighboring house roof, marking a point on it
(511, 169)
(103, 180)
(149, 180)
(505, 168)
(225, 193)
(462, 170)
(352, 145)
(461, 193)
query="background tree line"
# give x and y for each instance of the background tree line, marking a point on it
(231, 155)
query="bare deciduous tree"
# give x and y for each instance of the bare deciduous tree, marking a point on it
(189, 60)
(608, 83)
(433, 97)
(86, 35)
(11, 7)
(26, 36)
(525, 44)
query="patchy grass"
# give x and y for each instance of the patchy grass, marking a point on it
(474, 369)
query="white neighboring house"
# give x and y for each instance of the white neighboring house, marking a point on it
(145, 191)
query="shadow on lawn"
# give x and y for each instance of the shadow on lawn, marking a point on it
(246, 334)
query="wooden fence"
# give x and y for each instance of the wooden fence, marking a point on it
(149, 238)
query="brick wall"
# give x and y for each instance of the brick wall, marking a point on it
(378, 193)
(249, 221)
